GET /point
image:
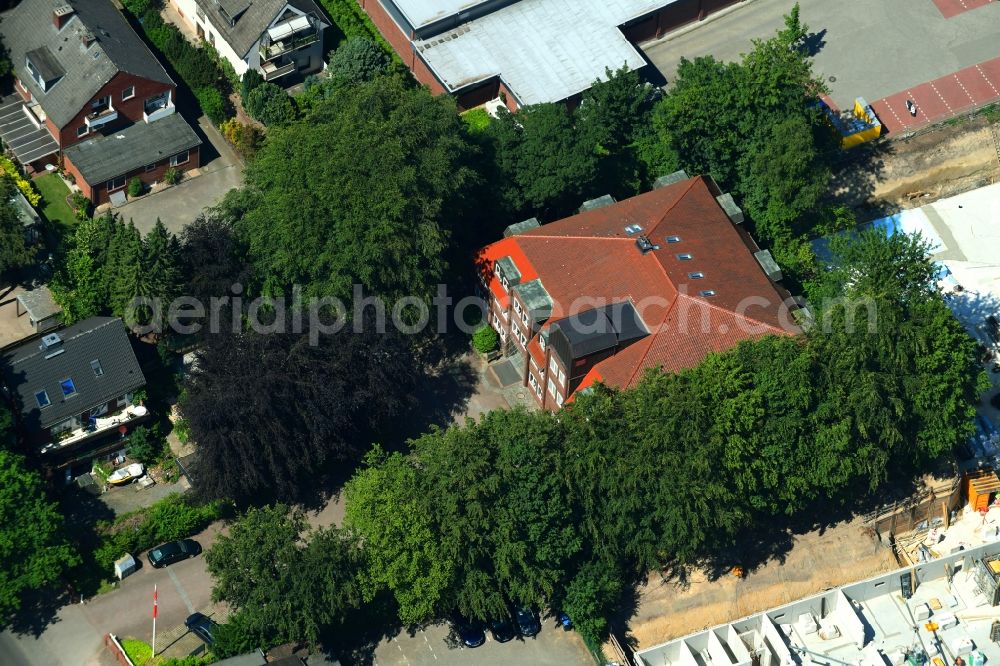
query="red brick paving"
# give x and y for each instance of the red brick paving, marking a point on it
(941, 98)
(950, 8)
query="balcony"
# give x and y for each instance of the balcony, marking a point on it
(95, 119)
(100, 425)
(272, 71)
(153, 112)
(275, 49)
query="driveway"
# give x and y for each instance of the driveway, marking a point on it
(178, 206)
(863, 48)
(76, 635)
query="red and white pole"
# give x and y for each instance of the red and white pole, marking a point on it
(154, 620)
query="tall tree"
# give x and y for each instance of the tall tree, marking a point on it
(126, 271)
(213, 258)
(162, 263)
(14, 252)
(33, 547)
(546, 164)
(292, 407)
(377, 168)
(283, 584)
(80, 287)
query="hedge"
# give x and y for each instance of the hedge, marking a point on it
(197, 67)
(173, 517)
(353, 22)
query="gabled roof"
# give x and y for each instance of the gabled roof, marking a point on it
(33, 367)
(698, 290)
(29, 28)
(105, 157)
(242, 22)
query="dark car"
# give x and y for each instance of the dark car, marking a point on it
(470, 633)
(527, 621)
(502, 630)
(171, 552)
(201, 626)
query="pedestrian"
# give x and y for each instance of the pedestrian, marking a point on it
(911, 107)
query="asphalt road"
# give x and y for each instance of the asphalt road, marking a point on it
(75, 636)
(871, 49)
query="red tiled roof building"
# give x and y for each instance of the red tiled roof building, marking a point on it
(658, 280)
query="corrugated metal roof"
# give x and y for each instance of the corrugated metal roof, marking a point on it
(424, 12)
(544, 50)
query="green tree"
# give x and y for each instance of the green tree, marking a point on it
(545, 163)
(125, 272)
(14, 253)
(379, 167)
(356, 60)
(614, 111)
(80, 287)
(251, 79)
(145, 444)
(284, 584)
(33, 547)
(270, 105)
(162, 260)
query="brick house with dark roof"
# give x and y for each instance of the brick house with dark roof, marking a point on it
(74, 388)
(658, 280)
(82, 75)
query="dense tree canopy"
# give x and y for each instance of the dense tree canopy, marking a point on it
(358, 193)
(271, 411)
(282, 583)
(109, 265)
(14, 253)
(33, 548)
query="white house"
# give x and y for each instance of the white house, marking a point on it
(275, 37)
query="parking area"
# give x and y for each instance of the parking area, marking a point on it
(862, 49)
(552, 647)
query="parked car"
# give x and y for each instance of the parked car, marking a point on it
(201, 626)
(470, 633)
(527, 621)
(502, 630)
(174, 551)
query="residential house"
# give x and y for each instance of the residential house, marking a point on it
(275, 37)
(524, 51)
(655, 281)
(74, 390)
(83, 76)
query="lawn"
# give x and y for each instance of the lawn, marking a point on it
(54, 206)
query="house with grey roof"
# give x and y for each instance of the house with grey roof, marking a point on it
(74, 389)
(278, 38)
(82, 74)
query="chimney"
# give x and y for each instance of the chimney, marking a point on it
(87, 37)
(61, 16)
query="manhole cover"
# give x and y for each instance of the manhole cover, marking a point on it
(832, 79)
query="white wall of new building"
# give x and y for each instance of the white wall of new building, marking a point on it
(186, 8)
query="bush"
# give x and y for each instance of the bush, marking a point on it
(358, 59)
(9, 170)
(270, 105)
(485, 339)
(81, 205)
(140, 7)
(477, 121)
(251, 79)
(246, 139)
(134, 187)
(145, 444)
(139, 652)
(212, 103)
(173, 517)
(171, 176)
(183, 430)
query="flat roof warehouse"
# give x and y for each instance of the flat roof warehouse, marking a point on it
(543, 50)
